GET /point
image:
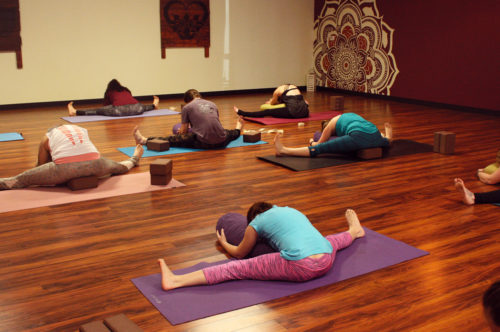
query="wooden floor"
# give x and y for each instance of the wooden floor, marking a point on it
(66, 265)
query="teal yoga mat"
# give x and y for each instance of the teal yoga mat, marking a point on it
(6, 137)
(129, 151)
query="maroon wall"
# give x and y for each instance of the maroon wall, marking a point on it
(447, 51)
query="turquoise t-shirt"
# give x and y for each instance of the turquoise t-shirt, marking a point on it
(290, 232)
(349, 122)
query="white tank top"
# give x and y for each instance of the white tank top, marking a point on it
(70, 143)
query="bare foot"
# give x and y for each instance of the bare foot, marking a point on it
(139, 150)
(312, 142)
(71, 109)
(388, 131)
(236, 109)
(156, 101)
(240, 123)
(139, 139)
(468, 196)
(277, 145)
(167, 277)
(355, 228)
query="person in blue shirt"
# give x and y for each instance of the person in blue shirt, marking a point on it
(352, 131)
(302, 253)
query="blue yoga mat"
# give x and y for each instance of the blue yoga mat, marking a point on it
(91, 118)
(5, 137)
(370, 253)
(129, 151)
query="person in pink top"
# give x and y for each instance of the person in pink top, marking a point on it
(118, 101)
(65, 153)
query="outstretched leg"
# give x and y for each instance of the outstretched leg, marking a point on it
(170, 281)
(71, 109)
(139, 139)
(156, 101)
(240, 123)
(355, 228)
(467, 196)
(388, 131)
(282, 150)
(134, 160)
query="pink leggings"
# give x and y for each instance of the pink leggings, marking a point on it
(274, 267)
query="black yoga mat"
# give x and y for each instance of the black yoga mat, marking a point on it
(399, 147)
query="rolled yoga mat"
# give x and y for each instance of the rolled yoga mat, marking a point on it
(27, 198)
(370, 253)
(129, 151)
(397, 148)
(92, 118)
(312, 116)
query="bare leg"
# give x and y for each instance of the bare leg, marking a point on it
(44, 152)
(170, 281)
(139, 139)
(388, 131)
(240, 123)
(355, 228)
(71, 109)
(235, 110)
(467, 196)
(156, 101)
(282, 150)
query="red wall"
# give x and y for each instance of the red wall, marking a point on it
(447, 51)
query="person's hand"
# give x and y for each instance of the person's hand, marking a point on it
(221, 237)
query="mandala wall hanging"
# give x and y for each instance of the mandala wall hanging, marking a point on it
(353, 48)
(185, 23)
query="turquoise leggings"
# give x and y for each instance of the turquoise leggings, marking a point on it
(351, 142)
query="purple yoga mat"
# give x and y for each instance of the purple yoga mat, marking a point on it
(373, 252)
(312, 116)
(91, 118)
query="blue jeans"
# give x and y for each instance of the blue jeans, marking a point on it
(354, 141)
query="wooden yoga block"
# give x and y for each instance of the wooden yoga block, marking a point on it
(161, 180)
(85, 182)
(371, 153)
(444, 142)
(337, 103)
(96, 326)
(158, 145)
(121, 323)
(161, 167)
(251, 137)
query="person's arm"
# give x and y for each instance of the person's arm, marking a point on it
(489, 178)
(183, 129)
(328, 131)
(245, 246)
(276, 95)
(44, 152)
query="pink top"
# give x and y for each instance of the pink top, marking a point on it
(70, 143)
(119, 98)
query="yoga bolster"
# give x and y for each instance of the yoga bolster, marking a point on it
(234, 225)
(264, 107)
(176, 127)
(490, 169)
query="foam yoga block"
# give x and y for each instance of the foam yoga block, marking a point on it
(158, 145)
(161, 171)
(85, 182)
(371, 153)
(121, 323)
(96, 326)
(444, 142)
(251, 136)
(234, 225)
(176, 127)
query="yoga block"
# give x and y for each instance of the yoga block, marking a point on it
(437, 141)
(121, 323)
(447, 142)
(371, 153)
(158, 145)
(161, 167)
(96, 326)
(337, 103)
(161, 180)
(85, 182)
(251, 137)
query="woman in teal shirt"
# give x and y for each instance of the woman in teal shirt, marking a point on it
(352, 131)
(302, 252)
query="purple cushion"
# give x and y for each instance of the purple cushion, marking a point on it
(176, 127)
(234, 225)
(317, 136)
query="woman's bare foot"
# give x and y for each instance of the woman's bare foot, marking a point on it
(167, 277)
(71, 109)
(467, 196)
(388, 131)
(240, 123)
(156, 101)
(139, 139)
(236, 109)
(355, 228)
(278, 146)
(136, 157)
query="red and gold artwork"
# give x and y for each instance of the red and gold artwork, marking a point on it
(185, 23)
